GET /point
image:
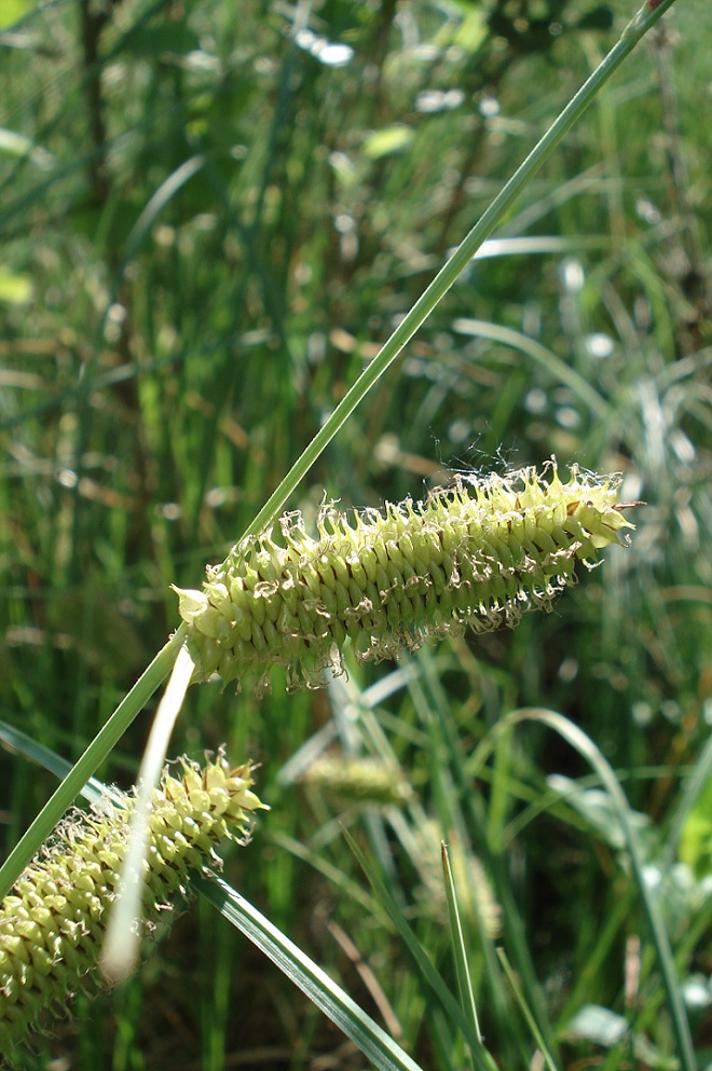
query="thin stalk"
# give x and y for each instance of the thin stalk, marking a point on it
(479, 1056)
(646, 18)
(381, 1051)
(161, 665)
(102, 744)
(526, 1011)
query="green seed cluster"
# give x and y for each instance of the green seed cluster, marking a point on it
(475, 555)
(476, 900)
(351, 779)
(53, 922)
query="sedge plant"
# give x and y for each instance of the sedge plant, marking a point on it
(159, 667)
(463, 558)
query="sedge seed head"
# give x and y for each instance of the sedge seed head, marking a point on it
(475, 555)
(357, 780)
(476, 899)
(52, 924)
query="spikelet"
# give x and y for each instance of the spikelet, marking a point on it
(351, 779)
(52, 923)
(477, 903)
(475, 555)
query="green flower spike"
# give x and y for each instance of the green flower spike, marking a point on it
(353, 779)
(53, 922)
(476, 899)
(475, 555)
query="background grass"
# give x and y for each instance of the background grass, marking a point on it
(211, 216)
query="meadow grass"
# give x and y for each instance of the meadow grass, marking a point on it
(185, 300)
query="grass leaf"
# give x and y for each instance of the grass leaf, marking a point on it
(370, 1038)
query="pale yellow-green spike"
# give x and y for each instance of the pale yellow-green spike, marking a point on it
(53, 922)
(475, 555)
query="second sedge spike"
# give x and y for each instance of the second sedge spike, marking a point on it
(53, 922)
(475, 555)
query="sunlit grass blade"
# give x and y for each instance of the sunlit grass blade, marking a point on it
(526, 1011)
(165, 192)
(121, 946)
(544, 357)
(583, 744)
(370, 1038)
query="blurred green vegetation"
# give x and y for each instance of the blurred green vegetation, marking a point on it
(211, 216)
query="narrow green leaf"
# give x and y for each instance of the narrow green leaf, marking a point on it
(337, 1005)
(15, 740)
(582, 743)
(480, 1056)
(540, 355)
(427, 971)
(526, 1011)
(467, 996)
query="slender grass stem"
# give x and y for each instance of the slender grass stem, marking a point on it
(439, 286)
(467, 1000)
(647, 16)
(526, 1011)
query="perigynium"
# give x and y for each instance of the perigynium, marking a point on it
(474, 555)
(53, 922)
